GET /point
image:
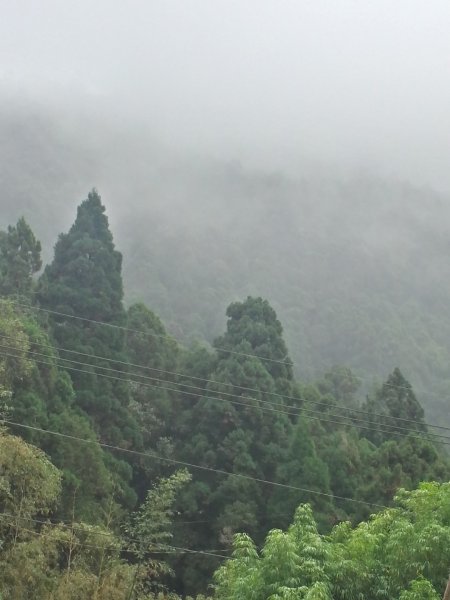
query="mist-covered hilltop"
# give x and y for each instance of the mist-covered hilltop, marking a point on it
(354, 266)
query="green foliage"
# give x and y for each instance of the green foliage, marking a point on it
(146, 340)
(420, 589)
(289, 566)
(149, 526)
(84, 279)
(85, 275)
(341, 384)
(149, 530)
(79, 561)
(89, 483)
(150, 353)
(20, 259)
(394, 399)
(59, 563)
(41, 395)
(302, 468)
(15, 365)
(29, 484)
(253, 325)
(234, 432)
(400, 553)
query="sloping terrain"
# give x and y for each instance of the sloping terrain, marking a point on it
(355, 268)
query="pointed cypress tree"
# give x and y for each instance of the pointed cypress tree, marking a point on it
(396, 400)
(84, 280)
(85, 277)
(398, 397)
(231, 427)
(253, 328)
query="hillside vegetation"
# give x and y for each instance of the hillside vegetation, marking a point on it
(353, 266)
(132, 465)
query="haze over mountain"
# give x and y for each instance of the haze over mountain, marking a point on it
(271, 84)
(353, 265)
(289, 150)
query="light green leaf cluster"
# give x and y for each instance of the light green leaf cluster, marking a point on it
(420, 590)
(149, 526)
(29, 483)
(401, 553)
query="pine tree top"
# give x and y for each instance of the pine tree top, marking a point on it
(91, 219)
(85, 275)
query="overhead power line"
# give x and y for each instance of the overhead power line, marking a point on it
(269, 393)
(159, 548)
(299, 410)
(356, 423)
(165, 336)
(275, 407)
(187, 464)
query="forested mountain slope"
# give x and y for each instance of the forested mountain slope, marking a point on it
(118, 407)
(355, 267)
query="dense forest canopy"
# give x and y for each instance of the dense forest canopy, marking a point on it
(132, 464)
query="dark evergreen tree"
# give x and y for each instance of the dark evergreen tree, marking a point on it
(341, 384)
(305, 469)
(152, 355)
(237, 425)
(404, 453)
(20, 259)
(253, 328)
(393, 407)
(402, 463)
(84, 280)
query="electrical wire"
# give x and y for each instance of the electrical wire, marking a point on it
(187, 464)
(263, 408)
(269, 393)
(173, 461)
(300, 410)
(151, 334)
(160, 549)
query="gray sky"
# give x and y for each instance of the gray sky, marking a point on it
(356, 83)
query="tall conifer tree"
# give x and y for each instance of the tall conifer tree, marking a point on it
(393, 401)
(231, 427)
(84, 280)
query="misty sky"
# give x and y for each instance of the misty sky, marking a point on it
(364, 84)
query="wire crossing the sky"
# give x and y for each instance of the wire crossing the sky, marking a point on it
(356, 423)
(268, 392)
(152, 334)
(183, 463)
(159, 548)
(298, 409)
